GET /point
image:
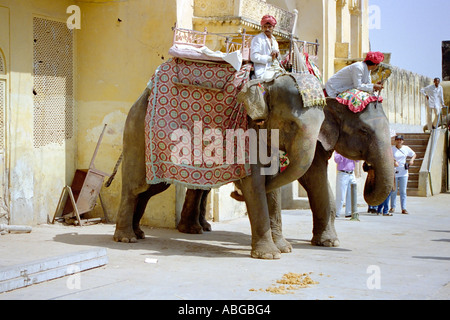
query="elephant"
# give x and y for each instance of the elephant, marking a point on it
(357, 136)
(283, 109)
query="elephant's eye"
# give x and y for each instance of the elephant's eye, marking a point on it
(293, 125)
(364, 131)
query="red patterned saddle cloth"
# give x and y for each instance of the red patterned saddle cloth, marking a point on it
(191, 106)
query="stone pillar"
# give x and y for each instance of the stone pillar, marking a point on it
(446, 60)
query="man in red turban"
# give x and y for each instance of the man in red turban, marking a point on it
(374, 57)
(264, 49)
(269, 19)
(356, 76)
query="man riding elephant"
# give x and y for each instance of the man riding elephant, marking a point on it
(264, 50)
(356, 76)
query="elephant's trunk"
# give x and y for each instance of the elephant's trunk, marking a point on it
(300, 148)
(297, 167)
(380, 178)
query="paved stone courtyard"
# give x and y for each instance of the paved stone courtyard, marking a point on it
(398, 257)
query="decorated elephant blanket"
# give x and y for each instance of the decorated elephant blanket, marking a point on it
(357, 100)
(191, 107)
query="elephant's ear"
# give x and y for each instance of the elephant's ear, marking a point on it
(329, 132)
(253, 95)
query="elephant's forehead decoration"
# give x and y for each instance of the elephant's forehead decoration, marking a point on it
(310, 89)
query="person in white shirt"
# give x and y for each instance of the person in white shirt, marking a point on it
(401, 153)
(264, 48)
(355, 76)
(435, 98)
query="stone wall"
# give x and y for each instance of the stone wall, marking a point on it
(403, 103)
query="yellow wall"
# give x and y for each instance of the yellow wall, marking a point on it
(36, 176)
(115, 61)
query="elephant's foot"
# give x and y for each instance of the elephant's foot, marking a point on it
(265, 251)
(206, 226)
(283, 245)
(325, 241)
(125, 236)
(192, 228)
(139, 233)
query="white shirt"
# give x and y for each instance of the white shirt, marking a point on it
(260, 53)
(354, 76)
(400, 156)
(436, 96)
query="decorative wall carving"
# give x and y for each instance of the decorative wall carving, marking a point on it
(218, 8)
(253, 10)
(250, 11)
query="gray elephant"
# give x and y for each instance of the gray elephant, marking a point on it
(284, 109)
(358, 136)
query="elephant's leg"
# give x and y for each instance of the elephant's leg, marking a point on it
(190, 214)
(274, 206)
(254, 191)
(133, 169)
(124, 224)
(206, 226)
(132, 207)
(321, 200)
(143, 199)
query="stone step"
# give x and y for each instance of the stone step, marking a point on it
(418, 143)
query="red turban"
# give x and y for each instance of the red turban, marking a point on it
(268, 19)
(375, 57)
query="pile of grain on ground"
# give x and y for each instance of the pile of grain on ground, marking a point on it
(289, 282)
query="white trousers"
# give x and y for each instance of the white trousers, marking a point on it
(343, 192)
(436, 112)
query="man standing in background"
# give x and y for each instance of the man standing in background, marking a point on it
(344, 179)
(435, 98)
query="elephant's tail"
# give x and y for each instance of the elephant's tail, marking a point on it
(111, 178)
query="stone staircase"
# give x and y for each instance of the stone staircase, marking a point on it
(418, 143)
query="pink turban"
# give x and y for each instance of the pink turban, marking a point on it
(375, 57)
(268, 19)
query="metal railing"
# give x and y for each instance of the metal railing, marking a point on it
(433, 141)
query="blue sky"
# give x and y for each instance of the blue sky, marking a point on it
(413, 31)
